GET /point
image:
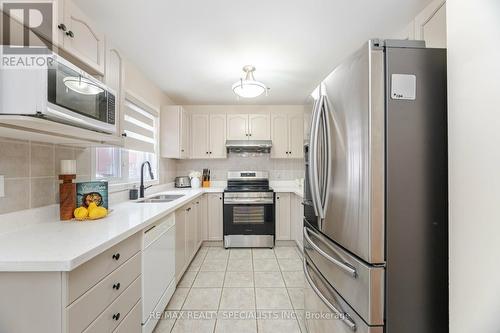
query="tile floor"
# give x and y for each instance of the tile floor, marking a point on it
(238, 290)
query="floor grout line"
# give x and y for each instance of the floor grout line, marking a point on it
(227, 259)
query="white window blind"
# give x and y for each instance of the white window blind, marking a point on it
(140, 125)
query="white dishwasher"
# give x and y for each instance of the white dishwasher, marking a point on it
(158, 270)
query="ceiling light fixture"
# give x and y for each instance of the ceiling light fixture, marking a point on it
(249, 87)
(82, 85)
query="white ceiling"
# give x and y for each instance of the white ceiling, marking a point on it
(195, 49)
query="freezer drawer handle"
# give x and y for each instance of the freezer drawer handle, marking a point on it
(344, 316)
(348, 268)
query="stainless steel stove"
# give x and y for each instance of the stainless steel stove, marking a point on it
(249, 210)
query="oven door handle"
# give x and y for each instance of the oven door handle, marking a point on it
(248, 201)
(344, 266)
(341, 314)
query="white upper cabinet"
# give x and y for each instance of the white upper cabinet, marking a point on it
(79, 36)
(208, 135)
(255, 126)
(259, 127)
(217, 136)
(287, 133)
(113, 78)
(237, 126)
(200, 128)
(174, 132)
(296, 135)
(279, 135)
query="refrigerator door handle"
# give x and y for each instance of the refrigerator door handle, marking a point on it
(313, 168)
(328, 145)
(344, 266)
(342, 315)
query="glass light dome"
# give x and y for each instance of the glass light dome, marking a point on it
(249, 87)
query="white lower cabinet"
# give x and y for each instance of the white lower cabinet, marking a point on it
(296, 219)
(282, 216)
(215, 216)
(97, 296)
(199, 220)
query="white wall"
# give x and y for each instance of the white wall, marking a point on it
(474, 143)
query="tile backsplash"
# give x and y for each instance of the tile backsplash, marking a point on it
(31, 169)
(279, 169)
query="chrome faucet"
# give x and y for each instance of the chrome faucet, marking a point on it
(142, 188)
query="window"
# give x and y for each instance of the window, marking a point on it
(108, 163)
(135, 160)
(123, 165)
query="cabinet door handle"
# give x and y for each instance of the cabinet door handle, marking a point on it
(62, 27)
(187, 210)
(70, 34)
(116, 316)
(116, 256)
(116, 286)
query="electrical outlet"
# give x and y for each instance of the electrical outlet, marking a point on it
(2, 187)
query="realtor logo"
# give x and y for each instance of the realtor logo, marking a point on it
(27, 27)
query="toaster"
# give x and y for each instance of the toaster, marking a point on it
(183, 181)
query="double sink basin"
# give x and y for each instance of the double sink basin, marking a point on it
(161, 198)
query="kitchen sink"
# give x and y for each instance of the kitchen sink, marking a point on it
(161, 198)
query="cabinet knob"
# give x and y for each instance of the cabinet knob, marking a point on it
(206, 152)
(116, 316)
(182, 150)
(250, 134)
(124, 135)
(277, 198)
(62, 27)
(210, 152)
(116, 286)
(116, 256)
(70, 34)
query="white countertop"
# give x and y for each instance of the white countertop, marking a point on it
(41, 242)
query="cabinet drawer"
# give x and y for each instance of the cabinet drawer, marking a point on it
(88, 274)
(132, 322)
(85, 309)
(117, 311)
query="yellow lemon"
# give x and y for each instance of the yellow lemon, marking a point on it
(92, 206)
(81, 213)
(97, 213)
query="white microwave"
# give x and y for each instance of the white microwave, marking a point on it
(60, 92)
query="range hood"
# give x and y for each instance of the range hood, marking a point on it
(249, 146)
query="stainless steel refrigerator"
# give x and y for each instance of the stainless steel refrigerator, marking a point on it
(376, 198)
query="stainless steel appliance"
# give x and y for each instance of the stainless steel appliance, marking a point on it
(60, 92)
(182, 182)
(249, 213)
(376, 212)
(249, 146)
